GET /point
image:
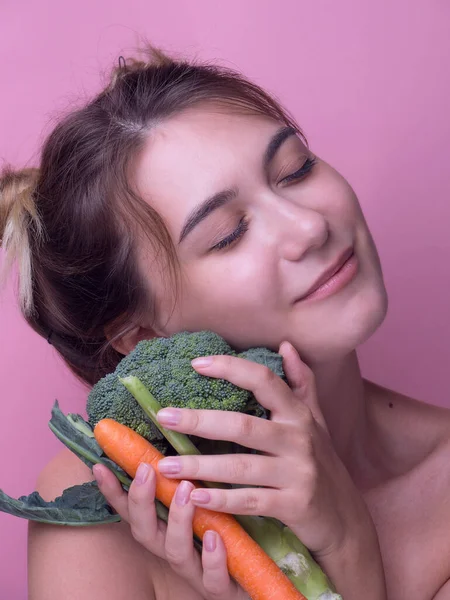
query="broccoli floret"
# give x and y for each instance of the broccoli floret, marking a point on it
(164, 366)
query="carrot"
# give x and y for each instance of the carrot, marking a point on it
(250, 566)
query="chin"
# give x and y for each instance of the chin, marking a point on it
(334, 336)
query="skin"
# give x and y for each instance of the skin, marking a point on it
(345, 462)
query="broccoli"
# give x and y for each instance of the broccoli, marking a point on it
(274, 537)
(155, 374)
(163, 365)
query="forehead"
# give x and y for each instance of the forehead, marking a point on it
(196, 153)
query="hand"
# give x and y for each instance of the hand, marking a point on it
(302, 481)
(208, 574)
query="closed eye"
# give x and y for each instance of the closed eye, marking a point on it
(233, 237)
(243, 225)
(305, 169)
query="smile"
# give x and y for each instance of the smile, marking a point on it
(340, 276)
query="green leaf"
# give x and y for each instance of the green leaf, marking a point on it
(73, 431)
(80, 505)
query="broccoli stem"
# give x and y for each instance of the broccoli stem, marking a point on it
(275, 539)
(180, 442)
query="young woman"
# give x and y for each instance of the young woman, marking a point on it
(183, 197)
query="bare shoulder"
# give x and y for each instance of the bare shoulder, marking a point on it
(414, 427)
(413, 438)
(102, 562)
(410, 507)
(428, 488)
(63, 470)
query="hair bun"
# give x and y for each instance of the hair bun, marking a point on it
(17, 211)
(16, 189)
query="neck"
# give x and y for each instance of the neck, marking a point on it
(344, 404)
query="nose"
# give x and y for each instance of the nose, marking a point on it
(298, 230)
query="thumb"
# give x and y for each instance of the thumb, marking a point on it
(302, 382)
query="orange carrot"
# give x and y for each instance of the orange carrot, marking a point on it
(250, 566)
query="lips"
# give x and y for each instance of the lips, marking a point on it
(332, 270)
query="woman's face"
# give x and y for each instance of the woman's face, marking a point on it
(256, 225)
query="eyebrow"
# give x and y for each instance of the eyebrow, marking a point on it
(221, 198)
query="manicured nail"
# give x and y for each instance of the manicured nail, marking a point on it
(183, 492)
(97, 474)
(203, 361)
(200, 496)
(210, 540)
(142, 473)
(284, 346)
(170, 465)
(169, 416)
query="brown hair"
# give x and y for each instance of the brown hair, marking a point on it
(72, 224)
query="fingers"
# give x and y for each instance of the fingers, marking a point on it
(294, 404)
(173, 542)
(216, 580)
(241, 501)
(269, 389)
(301, 381)
(111, 488)
(179, 529)
(137, 507)
(249, 431)
(145, 526)
(208, 574)
(247, 469)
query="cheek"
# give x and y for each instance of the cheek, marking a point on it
(343, 208)
(243, 279)
(234, 290)
(333, 196)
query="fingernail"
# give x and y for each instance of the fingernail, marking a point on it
(210, 540)
(169, 416)
(203, 361)
(200, 496)
(142, 473)
(170, 465)
(183, 492)
(97, 474)
(284, 346)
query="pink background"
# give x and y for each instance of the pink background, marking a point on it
(368, 81)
